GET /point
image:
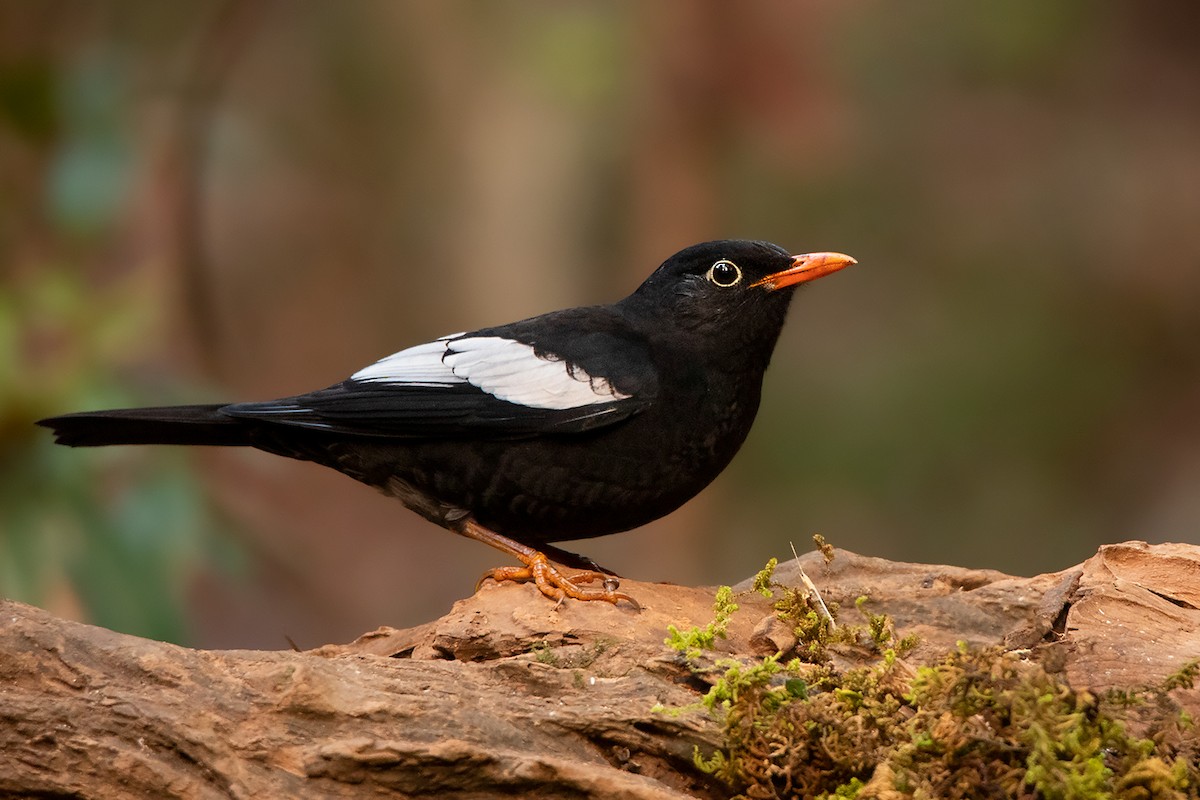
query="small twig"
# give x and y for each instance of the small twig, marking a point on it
(812, 588)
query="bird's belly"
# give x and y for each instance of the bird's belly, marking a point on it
(559, 488)
(550, 489)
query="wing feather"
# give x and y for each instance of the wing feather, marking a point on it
(463, 386)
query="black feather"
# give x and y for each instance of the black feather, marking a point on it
(445, 412)
(200, 424)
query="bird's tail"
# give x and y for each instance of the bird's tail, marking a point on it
(204, 424)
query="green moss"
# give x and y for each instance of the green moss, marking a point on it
(1183, 678)
(816, 633)
(848, 790)
(543, 653)
(977, 724)
(569, 657)
(762, 580)
(827, 550)
(692, 641)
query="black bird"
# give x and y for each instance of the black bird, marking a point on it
(573, 424)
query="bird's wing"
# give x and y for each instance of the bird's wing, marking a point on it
(487, 384)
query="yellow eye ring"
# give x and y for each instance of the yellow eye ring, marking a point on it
(724, 273)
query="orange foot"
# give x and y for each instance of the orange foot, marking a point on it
(551, 582)
(548, 578)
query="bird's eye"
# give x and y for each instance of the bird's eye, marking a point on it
(724, 273)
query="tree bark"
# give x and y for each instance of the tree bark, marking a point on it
(508, 695)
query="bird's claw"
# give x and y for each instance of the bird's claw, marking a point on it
(551, 582)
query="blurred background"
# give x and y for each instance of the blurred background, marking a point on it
(220, 200)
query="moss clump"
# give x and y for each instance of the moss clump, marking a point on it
(692, 641)
(979, 724)
(813, 621)
(569, 656)
(827, 550)
(881, 633)
(543, 653)
(763, 579)
(783, 743)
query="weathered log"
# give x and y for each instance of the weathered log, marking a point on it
(508, 695)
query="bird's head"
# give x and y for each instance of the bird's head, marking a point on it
(733, 290)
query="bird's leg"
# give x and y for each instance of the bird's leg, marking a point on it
(549, 580)
(566, 558)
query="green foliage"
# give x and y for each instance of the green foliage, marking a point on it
(978, 724)
(692, 641)
(762, 579)
(570, 656)
(827, 550)
(816, 632)
(739, 678)
(1184, 677)
(881, 633)
(543, 653)
(847, 790)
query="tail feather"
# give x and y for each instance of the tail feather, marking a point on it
(201, 424)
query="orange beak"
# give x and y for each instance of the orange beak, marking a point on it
(807, 267)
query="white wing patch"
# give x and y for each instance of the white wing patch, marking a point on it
(417, 366)
(507, 370)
